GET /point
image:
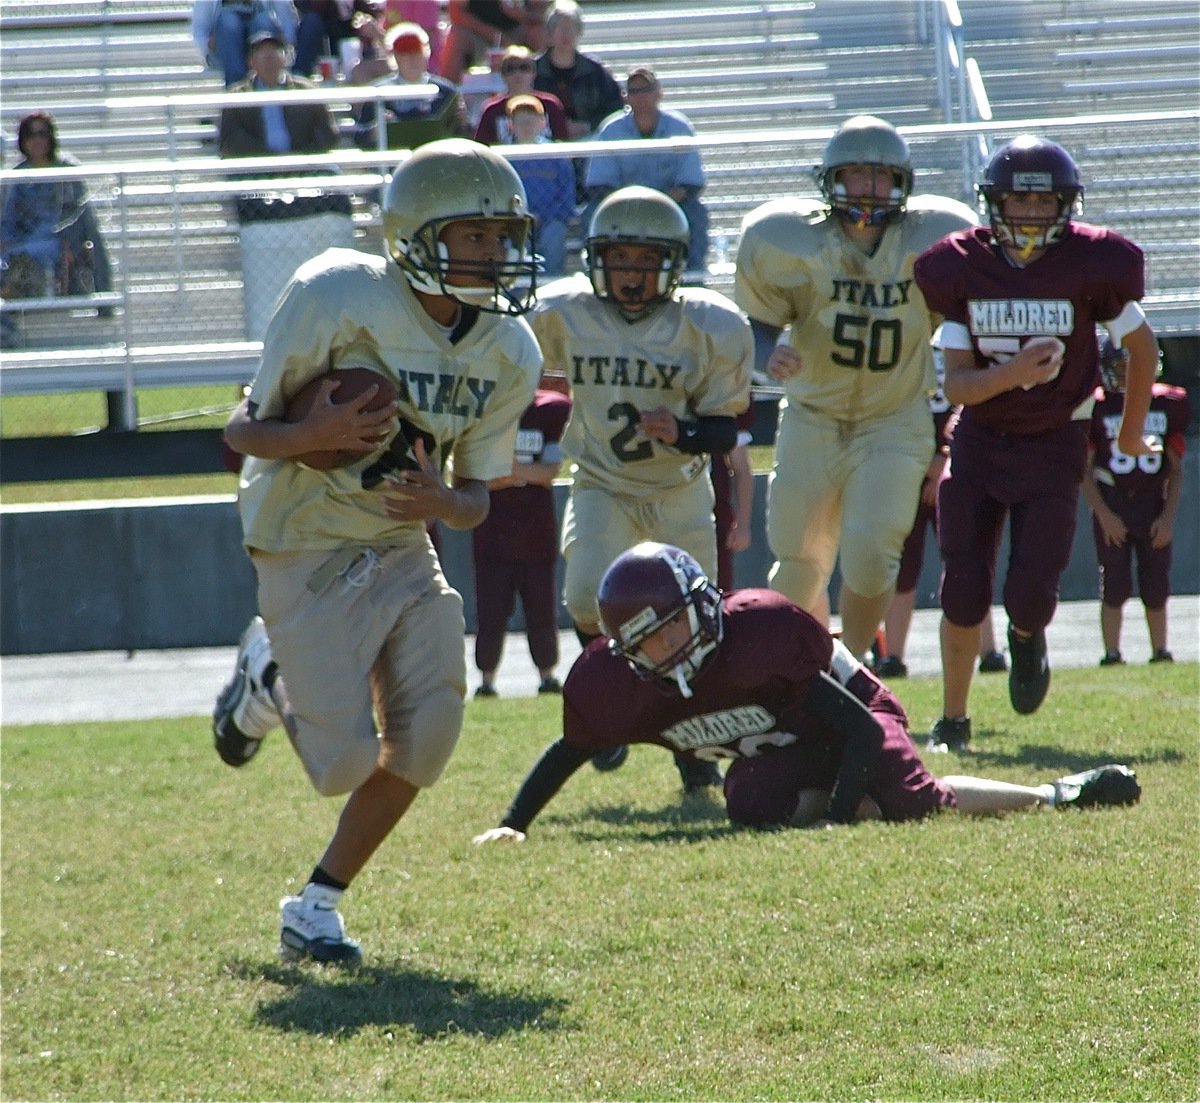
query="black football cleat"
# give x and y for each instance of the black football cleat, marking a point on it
(993, 662)
(1112, 658)
(1029, 678)
(949, 735)
(1111, 784)
(1162, 655)
(891, 667)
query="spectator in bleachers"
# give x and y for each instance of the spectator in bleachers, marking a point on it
(516, 70)
(50, 241)
(256, 131)
(221, 30)
(411, 123)
(427, 14)
(376, 60)
(549, 184)
(322, 26)
(477, 26)
(588, 91)
(679, 175)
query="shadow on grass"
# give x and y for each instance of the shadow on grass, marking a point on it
(338, 1002)
(1041, 758)
(697, 816)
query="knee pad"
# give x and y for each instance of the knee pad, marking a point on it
(1030, 601)
(1116, 585)
(758, 795)
(966, 591)
(420, 756)
(582, 609)
(579, 596)
(868, 571)
(801, 581)
(348, 771)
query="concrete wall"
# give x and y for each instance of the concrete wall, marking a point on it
(172, 573)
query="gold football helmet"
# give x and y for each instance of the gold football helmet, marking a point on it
(866, 140)
(636, 215)
(456, 180)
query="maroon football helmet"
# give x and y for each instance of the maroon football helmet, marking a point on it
(641, 591)
(1030, 164)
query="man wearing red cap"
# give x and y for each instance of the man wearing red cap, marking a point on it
(411, 123)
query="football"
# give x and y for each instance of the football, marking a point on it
(352, 382)
(1055, 348)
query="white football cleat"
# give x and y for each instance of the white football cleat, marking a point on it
(312, 927)
(245, 712)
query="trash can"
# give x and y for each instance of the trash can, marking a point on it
(279, 231)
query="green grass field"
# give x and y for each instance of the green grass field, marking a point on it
(635, 948)
(159, 410)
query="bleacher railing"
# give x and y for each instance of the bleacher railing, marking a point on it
(184, 275)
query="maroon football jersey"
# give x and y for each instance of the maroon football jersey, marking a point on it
(746, 699)
(1085, 279)
(1166, 423)
(521, 523)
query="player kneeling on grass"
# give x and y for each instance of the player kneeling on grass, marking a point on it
(359, 627)
(813, 738)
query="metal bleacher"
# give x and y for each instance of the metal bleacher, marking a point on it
(764, 81)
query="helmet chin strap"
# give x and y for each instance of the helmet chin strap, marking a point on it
(694, 660)
(681, 681)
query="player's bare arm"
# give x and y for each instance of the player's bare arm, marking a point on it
(526, 474)
(347, 426)
(1110, 524)
(422, 495)
(1139, 379)
(933, 476)
(780, 362)
(1038, 361)
(1162, 528)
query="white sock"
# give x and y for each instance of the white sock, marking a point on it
(1050, 793)
(321, 896)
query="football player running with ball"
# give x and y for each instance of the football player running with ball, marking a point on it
(657, 374)
(812, 737)
(359, 628)
(1022, 299)
(855, 433)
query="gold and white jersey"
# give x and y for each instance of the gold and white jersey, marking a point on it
(859, 322)
(350, 309)
(692, 355)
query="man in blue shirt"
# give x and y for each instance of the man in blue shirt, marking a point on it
(680, 175)
(258, 130)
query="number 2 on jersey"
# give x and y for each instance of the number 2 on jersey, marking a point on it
(626, 445)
